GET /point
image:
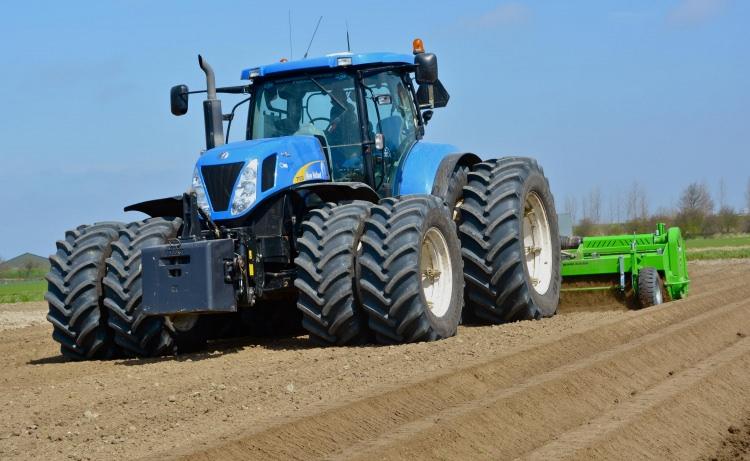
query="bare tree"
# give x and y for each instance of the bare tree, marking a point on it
(722, 193)
(694, 206)
(28, 267)
(571, 207)
(593, 206)
(637, 203)
(696, 197)
(615, 206)
(631, 207)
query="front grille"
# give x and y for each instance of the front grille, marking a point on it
(220, 181)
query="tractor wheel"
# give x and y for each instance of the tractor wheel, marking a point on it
(650, 287)
(510, 242)
(325, 273)
(409, 270)
(78, 317)
(136, 333)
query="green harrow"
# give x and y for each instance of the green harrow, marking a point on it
(641, 268)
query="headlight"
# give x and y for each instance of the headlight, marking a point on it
(244, 194)
(200, 192)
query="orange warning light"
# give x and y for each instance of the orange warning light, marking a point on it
(418, 46)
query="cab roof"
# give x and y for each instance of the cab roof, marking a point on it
(329, 61)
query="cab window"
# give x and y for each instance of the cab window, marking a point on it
(390, 112)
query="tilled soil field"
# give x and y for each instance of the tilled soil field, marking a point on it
(670, 382)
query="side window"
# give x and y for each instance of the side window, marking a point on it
(391, 113)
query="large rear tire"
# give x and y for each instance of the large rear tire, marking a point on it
(135, 333)
(76, 310)
(325, 274)
(510, 242)
(409, 270)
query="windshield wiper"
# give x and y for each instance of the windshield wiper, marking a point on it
(330, 95)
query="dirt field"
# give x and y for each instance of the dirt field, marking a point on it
(669, 382)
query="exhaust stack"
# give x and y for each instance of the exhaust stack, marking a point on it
(212, 108)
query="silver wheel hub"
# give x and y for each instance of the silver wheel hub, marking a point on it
(537, 243)
(436, 272)
(183, 323)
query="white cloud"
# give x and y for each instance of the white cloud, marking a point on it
(506, 14)
(689, 12)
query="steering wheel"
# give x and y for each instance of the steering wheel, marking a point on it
(318, 119)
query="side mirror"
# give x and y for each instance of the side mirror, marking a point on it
(427, 116)
(178, 99)
(432, 95)
(427, 68)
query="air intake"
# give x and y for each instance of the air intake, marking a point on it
(220, 181)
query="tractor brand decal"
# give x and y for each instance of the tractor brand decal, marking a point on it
(311, 171)
(224, 155)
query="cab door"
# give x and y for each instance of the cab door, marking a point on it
(391, 113)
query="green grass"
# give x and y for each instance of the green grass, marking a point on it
(719, 253)
(721, 241)
(22, 291)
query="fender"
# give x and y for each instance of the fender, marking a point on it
(420, 168)
(446, 168)
(159, 208)
(336, 191)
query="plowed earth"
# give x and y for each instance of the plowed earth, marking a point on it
(669, 382)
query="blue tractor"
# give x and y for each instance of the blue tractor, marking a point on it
(331, 212)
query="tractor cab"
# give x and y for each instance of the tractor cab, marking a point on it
(363, 109)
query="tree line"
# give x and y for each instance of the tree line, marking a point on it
(696, 212)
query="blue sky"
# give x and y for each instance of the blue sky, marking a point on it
(603, 93)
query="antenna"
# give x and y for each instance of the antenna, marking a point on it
(291, 50)
(313, 37)
(348, 46)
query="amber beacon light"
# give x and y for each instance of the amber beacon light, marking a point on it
(418, 46)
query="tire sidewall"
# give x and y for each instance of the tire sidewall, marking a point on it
(547, 302)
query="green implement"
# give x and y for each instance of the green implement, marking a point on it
(652, 264)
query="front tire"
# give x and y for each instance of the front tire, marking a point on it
(510, 241)
(325, 274)
(74, 294)
(410, 270)
(650, 287)
(137, 334)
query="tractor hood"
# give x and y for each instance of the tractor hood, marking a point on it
(230, 180)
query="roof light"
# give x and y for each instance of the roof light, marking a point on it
(344, 61)
(254, 72)
(283, 60)
(417, 46)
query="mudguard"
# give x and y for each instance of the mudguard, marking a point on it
(427, 166)
(446, 168)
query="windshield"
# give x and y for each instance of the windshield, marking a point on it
(323, 106)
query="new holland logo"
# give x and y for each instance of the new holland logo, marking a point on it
(224, 155)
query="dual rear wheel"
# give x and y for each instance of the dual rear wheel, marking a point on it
(406, 269)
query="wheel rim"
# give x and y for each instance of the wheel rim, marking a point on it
(436, 272)
(183, 323)
(457, 210)
(537, 243)
(657, 295)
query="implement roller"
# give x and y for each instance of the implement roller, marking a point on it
(638, 269)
